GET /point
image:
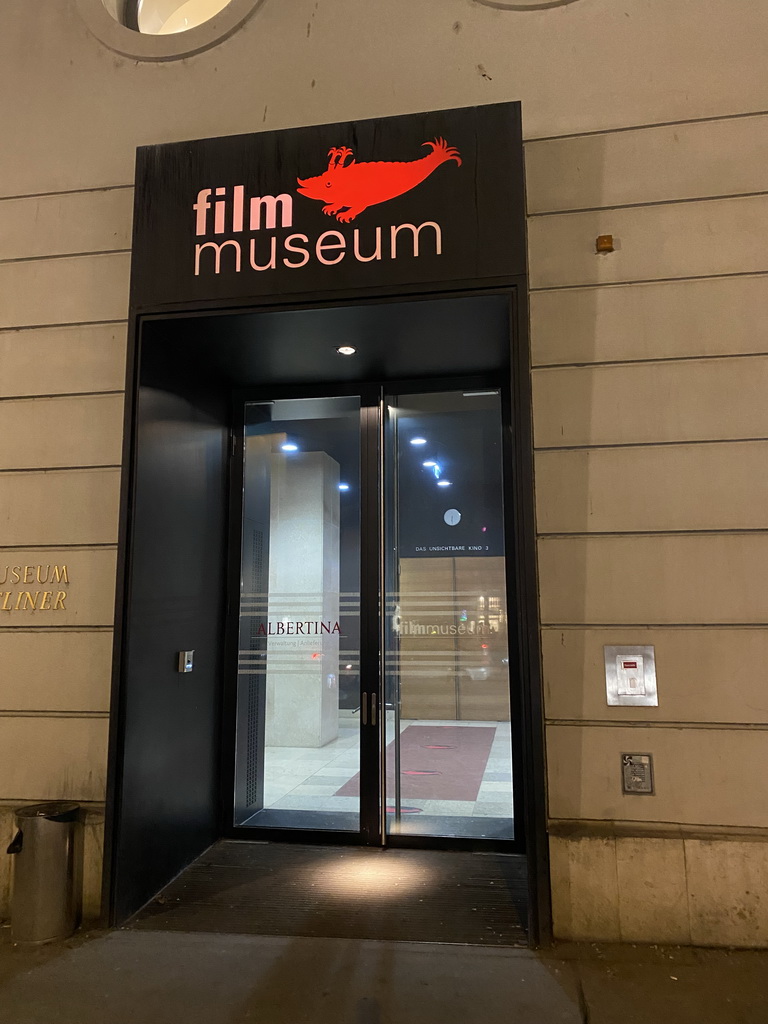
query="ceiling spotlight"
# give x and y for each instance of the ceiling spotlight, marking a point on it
(289, 446)
(443, 483)
(418, 440)
(343, 487)
(346, 350)
(429, 464)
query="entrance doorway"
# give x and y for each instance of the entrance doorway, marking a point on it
(364, 671)
(373, 701)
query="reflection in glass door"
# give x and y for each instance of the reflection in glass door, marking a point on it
(373, 578)
(449, 750)
(298, 703)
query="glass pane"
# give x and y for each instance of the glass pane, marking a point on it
(298, 740)
(449, 751)
(163, 17)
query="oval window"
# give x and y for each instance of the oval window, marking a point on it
(165, 17)
(163, 29)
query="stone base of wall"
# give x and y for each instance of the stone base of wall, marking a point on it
(675, 889)
(93, 853)
(679, 889)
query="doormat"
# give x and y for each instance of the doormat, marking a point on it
(437, 762)
(347, 892)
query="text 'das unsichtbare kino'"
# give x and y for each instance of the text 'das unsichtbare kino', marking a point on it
(33, 588)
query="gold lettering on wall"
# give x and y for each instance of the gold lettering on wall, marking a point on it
(13, 600)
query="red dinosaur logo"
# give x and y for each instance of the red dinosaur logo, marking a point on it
(349, 188)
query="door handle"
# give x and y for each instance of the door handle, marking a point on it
(374, 704)
(364, 708)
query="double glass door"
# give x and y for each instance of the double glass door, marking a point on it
(373, 684)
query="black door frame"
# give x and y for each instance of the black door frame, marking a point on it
(372, 831)
(519, 845)
(521, 580)
(368, 833)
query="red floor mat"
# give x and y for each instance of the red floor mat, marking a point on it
(437, 762)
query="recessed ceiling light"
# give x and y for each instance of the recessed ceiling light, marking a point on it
(443, 483)
(429, 464)
(289, 446)
(343, 487)
(418, 440)
(346, 350)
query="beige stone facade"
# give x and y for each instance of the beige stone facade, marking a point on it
(643, 120)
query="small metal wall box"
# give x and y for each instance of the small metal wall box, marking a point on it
(604, 243)
(630, 676)
(637, 774)
(186, 661)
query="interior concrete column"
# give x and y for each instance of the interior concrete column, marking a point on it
(303, 661)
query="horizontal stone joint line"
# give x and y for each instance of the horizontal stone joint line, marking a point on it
(64, 256)
(627, 828)
(26, 713)
(56, 629)
(650, 359)
(712, 532)
(724, 197)
(95, 806)
(648, 444)
(110, 545)
(60, 469)
(591, 285)
(647, 127)
(599, 723)
(58, 326)
(654, 625)
(65, 192)
(581, 627)
(60, 394)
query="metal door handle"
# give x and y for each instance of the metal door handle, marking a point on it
(373, 709)
(364, 708)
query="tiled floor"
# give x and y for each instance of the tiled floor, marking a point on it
(304, 778)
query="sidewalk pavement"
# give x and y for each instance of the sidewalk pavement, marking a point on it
(148, 977)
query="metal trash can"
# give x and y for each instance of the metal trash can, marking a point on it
(47, 872)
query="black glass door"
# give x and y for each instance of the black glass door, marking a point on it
(302, 729)
(448, 752)
(373, 698)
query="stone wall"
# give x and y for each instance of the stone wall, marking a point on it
(650, 376)
(650, 423)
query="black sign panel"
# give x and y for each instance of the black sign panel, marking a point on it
(432, 198)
